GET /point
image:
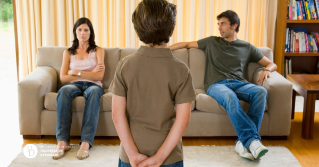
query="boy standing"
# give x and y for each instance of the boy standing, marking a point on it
(147, 85)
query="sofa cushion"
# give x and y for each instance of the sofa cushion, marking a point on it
(111, 58)
(127, 51)
(209, 104)
(78, 103)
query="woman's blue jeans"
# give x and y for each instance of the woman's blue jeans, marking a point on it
(92, 94)
(228, 92)
(176, 164)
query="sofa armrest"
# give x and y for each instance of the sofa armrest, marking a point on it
(252, 67)
(279, 102)
(31, 92)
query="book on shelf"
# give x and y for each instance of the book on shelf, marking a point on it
(294, 10)
(302, 41)
(308, 10)
(288, 67)
(292, 38)
(299, 14)
(317, 7)
(285, 68)
(316, 36)
(299, 40)
(290, 10)
(312, 9)
(303, 9)
(306, 42)
(314, 43)
(287, 40)
(310, 43)
(296, 43)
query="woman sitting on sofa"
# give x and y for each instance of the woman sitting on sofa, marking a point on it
(82, 71)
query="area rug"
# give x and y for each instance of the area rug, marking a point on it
(194, 156)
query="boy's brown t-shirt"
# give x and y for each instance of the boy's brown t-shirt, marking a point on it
(153, 81)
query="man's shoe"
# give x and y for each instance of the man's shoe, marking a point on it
(257, 149)
(243, 152)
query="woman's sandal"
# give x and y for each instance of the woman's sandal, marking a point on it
(60, 153)
(82, 154)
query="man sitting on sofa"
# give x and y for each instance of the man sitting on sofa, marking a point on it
(227, 60)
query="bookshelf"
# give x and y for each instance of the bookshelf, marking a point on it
(304, 62)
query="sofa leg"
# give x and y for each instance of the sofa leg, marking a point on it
(32, 136)
(277, 137)
(293, 104)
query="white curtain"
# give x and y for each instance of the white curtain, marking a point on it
(50, 23)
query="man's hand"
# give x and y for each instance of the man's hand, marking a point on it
(263, 76)
(269, 66)
(137, 159)
(153, 161)
(98, 67)
(73, 72)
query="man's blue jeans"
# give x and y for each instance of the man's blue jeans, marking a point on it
(92, 94)
(176, 164)
(228, 92)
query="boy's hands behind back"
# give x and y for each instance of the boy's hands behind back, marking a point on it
(137, 159)
(153, 161)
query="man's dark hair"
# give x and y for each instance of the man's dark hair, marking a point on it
(232, 17)
(154, 21)
(75, 45)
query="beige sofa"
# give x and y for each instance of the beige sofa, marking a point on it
(38, 92)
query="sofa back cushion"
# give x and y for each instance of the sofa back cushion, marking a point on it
(197, 64)
(112, 57)
(181, 54)
(127, 51)
(193, 58)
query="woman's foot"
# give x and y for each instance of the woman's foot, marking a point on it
(83, 151)
(61, 148)
(85, 146)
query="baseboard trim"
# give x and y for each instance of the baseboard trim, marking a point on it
(276, 137)
(32, 136)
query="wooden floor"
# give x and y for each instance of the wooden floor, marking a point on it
(306, 151)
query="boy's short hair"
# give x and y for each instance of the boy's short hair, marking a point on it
(154, 21)
(232, 17)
